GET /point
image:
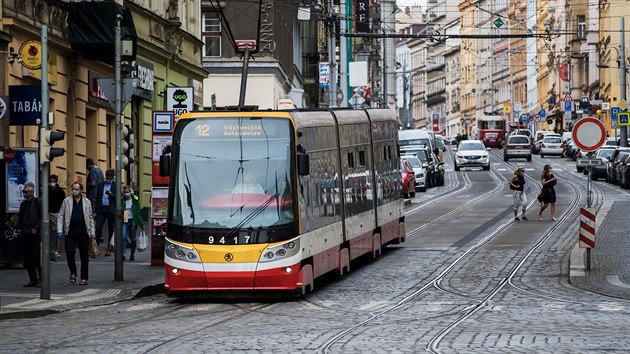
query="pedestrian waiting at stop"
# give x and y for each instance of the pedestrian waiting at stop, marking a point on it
(132, 219)
(548, 192)
(105, 208)
(56, 195)
(517, 184)
(29, 219)
(75, 221)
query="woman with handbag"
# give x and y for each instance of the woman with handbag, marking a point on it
(548, 181)
(132, 219)
(76, 222)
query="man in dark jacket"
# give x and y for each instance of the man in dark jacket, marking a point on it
(29, 225)
(56, 195)
(106, 207)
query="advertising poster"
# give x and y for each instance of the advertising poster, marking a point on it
(24, 168)
(159, 143)
(159, 202)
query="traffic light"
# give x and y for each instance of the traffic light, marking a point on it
(46, 139)
(127, 145)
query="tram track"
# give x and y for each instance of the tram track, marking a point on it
(506, 281)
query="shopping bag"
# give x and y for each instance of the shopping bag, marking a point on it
(111, 242)
(143, 240)
(93, 250)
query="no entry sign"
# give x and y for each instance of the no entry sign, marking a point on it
(589, 134)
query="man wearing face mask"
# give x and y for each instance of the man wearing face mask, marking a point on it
(76, 222)
(56, 195)
(94, 177)
(106, 207)
(29, 225)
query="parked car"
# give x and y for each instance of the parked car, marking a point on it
(451, 140)
(419, 170)
(619, 166)
(517, 146)
(425, 155)
(551, 145)
(408, 179)
(624, 173)
(609, 164)
(472, 153)
(540, 136)
(601, 171)
(614, 161)
(570, 149)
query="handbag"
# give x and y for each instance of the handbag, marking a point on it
(143, 240)
(540, 197)
(93, 250)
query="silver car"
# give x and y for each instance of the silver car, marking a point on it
(517, 146)
(552, 145)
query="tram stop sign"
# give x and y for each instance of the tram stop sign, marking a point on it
(589, 134)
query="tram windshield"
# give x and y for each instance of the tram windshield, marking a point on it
(233, 173)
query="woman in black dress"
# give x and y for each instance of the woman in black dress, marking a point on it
(548, 181)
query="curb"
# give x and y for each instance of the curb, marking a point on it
(146, 291)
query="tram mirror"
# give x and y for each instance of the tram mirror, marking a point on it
(165, 165)
(303, 165)
(301, 149)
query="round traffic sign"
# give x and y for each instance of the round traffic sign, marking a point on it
(589, 134)
(9, 155)
(537, 118)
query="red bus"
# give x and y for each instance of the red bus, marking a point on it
(491, 130)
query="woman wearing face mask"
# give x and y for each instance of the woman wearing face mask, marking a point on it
(548, 181)
(132, 218)
(76, 222)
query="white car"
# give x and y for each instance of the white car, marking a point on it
(551, 145)
(472, 153)
(419, 170)
(539, 139)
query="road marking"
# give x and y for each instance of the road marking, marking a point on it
(614, 280)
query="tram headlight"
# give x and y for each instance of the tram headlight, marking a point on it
(281, 251)
(181, 253)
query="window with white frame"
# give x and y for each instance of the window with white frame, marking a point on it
(211, 34)
(581, 27)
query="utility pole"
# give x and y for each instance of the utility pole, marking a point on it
(45, 172)
(332, 56)
(405, 88)
(622, 79)
(118, 262)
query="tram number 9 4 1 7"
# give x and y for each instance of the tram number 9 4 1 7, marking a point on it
(228, 240)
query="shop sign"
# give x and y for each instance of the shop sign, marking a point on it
(145, 74)
(25, 104)
(179, 100)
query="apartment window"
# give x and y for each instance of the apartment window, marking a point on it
(581, 27)
(211, 34)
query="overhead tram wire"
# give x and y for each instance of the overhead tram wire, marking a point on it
(460, 36)
(217, 9)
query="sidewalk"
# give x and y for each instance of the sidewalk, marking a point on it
(610, 265)
(140, 279)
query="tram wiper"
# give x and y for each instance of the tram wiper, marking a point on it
(252, 215)
(188, 187)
